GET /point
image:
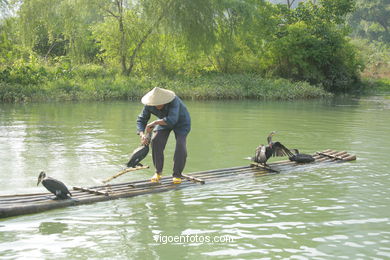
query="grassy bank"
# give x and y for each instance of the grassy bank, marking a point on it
(373, 86)
(99, 85)
(376, 73)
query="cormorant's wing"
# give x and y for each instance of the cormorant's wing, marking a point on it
(280, 150)
(257, 154)
(304, 158)
(257, 158)
(138, 155)
(56, 187)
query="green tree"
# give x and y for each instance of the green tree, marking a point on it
(371, 20)
(6, 46)
(312, 46)
(136, 23)
(242, 29)
(118, 35)
(58, 28)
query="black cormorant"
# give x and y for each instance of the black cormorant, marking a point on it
(264, 152)
(139, 154)
(301, 157)
(54, 186)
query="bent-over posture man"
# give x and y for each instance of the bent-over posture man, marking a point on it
(173, 115)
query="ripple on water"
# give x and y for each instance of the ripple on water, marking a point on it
(332, 211)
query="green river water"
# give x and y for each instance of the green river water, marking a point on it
(335, 211)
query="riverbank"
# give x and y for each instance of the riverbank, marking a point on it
(372, 86)
(100, 86)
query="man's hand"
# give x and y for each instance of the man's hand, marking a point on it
(149, 127)
(144, 139)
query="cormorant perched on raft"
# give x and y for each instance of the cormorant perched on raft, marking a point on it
(264, 152)
(54, 186)
(301, 157)
(139, 154)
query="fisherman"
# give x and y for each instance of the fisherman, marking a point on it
(173, 115)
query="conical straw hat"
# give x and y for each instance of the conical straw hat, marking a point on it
(158, 96)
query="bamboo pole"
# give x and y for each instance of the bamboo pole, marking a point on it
(191, 178)
(334, 155)
(194, 173)
(350, 158)
(94, 191)
(264, 167)
(123, 172)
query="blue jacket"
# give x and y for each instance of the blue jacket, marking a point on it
(175, 114)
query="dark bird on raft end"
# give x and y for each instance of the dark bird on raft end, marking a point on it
(301, 157)
(264, 152)
(56, 187)
(139, 154)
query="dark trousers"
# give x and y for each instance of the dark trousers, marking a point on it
(159, 141)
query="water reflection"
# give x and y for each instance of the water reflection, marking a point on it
(48, 228)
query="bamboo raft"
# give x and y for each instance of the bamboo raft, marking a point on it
(20, 204)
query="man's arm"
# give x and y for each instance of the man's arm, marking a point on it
(142, 120)
(171, 119)
(151, 125)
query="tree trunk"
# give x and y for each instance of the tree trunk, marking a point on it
(122, 51)
(290, 3)
(122, 46)
(50, 49)
(140, 43)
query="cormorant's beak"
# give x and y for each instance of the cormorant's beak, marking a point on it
(39, 180)
(41, 177)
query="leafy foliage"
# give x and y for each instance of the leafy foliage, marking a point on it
(52, 40)
(371, 20)
(312, 46)
(58, 28)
